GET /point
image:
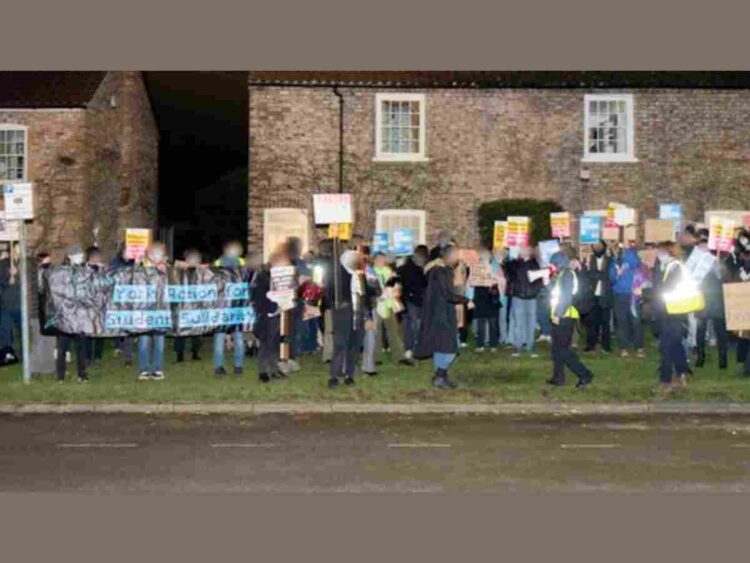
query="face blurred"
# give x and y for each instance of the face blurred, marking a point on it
(451, 257)
(156, 252)
(381, 261)
(233, 250)
(485, 256)
(193, 258)
(525, 252)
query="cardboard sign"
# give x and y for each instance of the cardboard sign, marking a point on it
(672, 211)
(468, 256)
(499, 235)
(625, 216)
(19, 201)
(699, 263)
(590, 229)
(379, 243)
(721, 234)
(630, 233)
(610, 217)
(480, 275)
(518, 232)
(659, 230)
(737, 305)
(546, 249)
(136, 243)
(332, 208)
(342, 231)
(611, 233)
(560, 223)
(9, 230)
(283, 286)
(403, 241)
(746, 220)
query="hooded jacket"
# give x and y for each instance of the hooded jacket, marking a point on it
(622, 283)
(439, 323)
(413, 282)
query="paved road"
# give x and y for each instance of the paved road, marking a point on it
(372, 453)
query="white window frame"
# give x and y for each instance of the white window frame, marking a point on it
(267, 216)
(25, 129)
(421, 214)
(629, 156)
(381, 156)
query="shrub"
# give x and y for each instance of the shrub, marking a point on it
(537, 209)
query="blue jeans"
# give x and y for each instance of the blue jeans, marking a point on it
(543, 309)
(442, 360)
(150, 352)
(523, 323)
(411, 326)
(503, 318)
(239, 349)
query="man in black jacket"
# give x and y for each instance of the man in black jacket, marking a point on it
(599, 318)
(523, 305)
(413, 285)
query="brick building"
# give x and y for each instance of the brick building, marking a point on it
(88, 142)
(425, 149)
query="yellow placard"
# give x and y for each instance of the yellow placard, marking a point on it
(499, 234)
(342, 231)
(136, 243)
(560, 223)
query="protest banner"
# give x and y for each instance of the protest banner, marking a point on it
(737, 306)
(560, 223)
(403, 241)
(480, 275)
(721, 234)
(590, 229)
(518, 231)
(379, 243)
(546, 249)
(672, 211)
(342, 231)
(659, 230)
(332, 208)
(468, 256)
(136, 243)
(499, 235)
(699, 263)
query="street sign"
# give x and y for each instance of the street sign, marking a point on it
(19, 202)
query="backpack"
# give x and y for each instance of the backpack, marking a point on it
(583, 293)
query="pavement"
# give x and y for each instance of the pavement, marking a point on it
(306, 452)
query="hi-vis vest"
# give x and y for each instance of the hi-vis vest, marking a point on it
(571, 312)
(240, 261)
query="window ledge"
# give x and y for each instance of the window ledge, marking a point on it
(615, 160)
(401, 160)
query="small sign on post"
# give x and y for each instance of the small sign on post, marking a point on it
(332, 208)
(19, 201)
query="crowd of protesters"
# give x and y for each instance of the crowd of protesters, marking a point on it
(423, 306)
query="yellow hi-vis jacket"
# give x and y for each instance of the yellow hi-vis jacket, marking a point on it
(218, 262)
(555, 295)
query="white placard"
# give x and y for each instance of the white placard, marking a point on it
(699, 263)
(9, 230)
(332, 208)
(19, 202)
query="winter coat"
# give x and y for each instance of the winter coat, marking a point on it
(622, 282)
(263, 306)
(413, 282)
(713, 291)
(11, 290)
(439, 333)
(520, 286)
(596, 276)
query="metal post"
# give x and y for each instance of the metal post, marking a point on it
(25, 340)
(336, 276)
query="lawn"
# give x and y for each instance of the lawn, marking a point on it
(485, 377)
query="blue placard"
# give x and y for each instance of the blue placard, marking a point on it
(379, 242)
(134, 294)
(546, 249)
(403, 241)
(138, 320)
(216, 317)
(672, 211)
(237, 290)
(192, 293)
(591, 229)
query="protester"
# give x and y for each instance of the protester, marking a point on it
(294, 252)
(414, 284)
(672, 327)
(10, 304)
(485, 305)
(622, 272)
(232, 259)
(94, 346)
(43, 342)
(523, 302)
(564, 314)
(267, 327)
(187, 269)
(542, 305)
(712, 289)
(599, 319)
(124, 345)
(151, 345)
(75, 258)
(388, 305)
(437, 338)
(322, 272)
(741, 274)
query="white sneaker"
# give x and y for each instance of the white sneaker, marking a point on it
(480, 349)
(144, 376)
(157, 375)
(293, 365)
(493, 350)
(534, 355)
(408, 355)
(463, 345)
(515, 355)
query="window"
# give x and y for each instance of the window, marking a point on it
(608, 126)
(12, 152)
(282, 223)
(400, 127)
(388, 220)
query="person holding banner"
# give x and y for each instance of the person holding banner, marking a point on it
(192, 260)
(74, 258)
(151, 346)
(231, 258)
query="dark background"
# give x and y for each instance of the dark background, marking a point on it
(203, 156)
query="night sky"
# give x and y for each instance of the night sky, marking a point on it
(203, 155)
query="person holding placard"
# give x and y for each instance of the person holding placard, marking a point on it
(500, 266)
(741, 274)
(267, 326)
(622, 272)
(523, 303)
(485, 304)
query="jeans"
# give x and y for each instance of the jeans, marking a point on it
(411, 327)
(503, 320)
(65, 343)
(442, 360)
(179, 346)
(563, 354)
(629, 329)
(523, 323)
(543, 307)
(598, 326)
(673, 356)
(239, 349)
(10, 326)
(486, 333)
(150, 352)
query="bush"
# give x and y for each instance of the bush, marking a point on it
(537, 209)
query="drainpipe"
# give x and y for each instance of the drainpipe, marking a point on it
(340, 96)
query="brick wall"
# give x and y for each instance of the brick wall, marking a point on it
(490, 144)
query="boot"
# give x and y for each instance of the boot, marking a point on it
(441, 381)
(700, 358)
(723, 360)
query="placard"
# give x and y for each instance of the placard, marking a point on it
(136, 243)
(590, 229)
(546, 249)
(625, 216)
(518, 232)
(342, 231)
(721, 234)
(283, 286)
(610, 217)
(480, 275)
(19, 201)
(737, 305)
(468, 256)
(499, 235)
(403, 241)
(9, 230)
(699, 263)
(659, 230)
(672, 211)
(332, 208)
(611, 233)
(379, 243)
(560, 223)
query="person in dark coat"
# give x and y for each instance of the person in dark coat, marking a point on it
(438, 338)
(267, 327)
(713, 293)
(75, 258)
(599, 318)
(484, 303)
(187, 270)
(10, 300)
(741, 274)
(413, 286)
(523, 304)
(622, 273)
